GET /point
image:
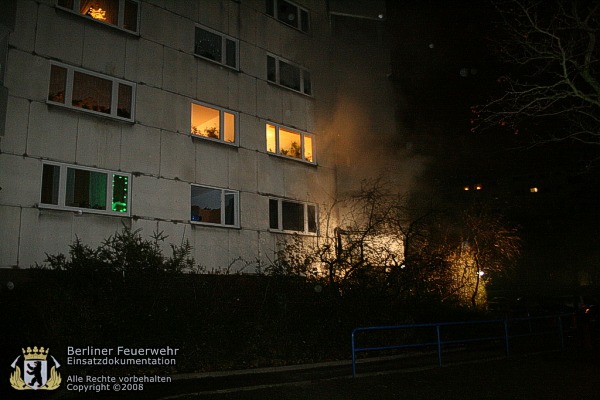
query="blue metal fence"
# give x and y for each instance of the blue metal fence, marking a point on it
(506, 329)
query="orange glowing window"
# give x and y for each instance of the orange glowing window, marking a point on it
(534, 190)
(214, 123)
(123, 14)
(290, 143)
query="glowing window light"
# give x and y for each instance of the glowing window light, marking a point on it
(120, 186)
(97, 13)
(533, 190)
(466, 188)
(478, 187)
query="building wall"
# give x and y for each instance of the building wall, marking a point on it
(157, 148)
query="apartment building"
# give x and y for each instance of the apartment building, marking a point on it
(229, 123)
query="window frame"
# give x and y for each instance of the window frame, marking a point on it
(272, 7)
(305, 206)
(224, 192)
(303, 136)
(68, 95)
(222, 112)
(304, 75)
(120, 16)
(62, 190)
(224, 39)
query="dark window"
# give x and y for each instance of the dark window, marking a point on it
(214, 206)
(86, 189)
(216, 47)
(271, 69)
(273, 214)
(288, 13)
(69, 187)
(208, 45)
(289, 76)
(73, 88)
(295, 216)
(58, 84)
(130, 16)
(91, 92)
(50, 184)
(312, 218)
(292, 215)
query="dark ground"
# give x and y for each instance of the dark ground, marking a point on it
(565, 375)
(572, 373)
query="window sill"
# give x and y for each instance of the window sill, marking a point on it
(217, 141)
(309, 96)
(218, 64)
(80, 211)
(209, 224)
(309, 234)
(282, 157)
(100, 23)
(86, 111)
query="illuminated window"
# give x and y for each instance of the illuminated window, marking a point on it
(84, 189)
(290, 143)
(534, 190)
(91, 92)
(292, 216)
(214, 206)
(214, 123)
(215, 46)
(123, 14)
(288, 75)
(289, 13)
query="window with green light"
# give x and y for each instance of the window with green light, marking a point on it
(84, 189)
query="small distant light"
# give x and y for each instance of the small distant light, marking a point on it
(480, 273)
(478, 187)
(466, 188)
(380, 16)
(431, 45)
(534, 190)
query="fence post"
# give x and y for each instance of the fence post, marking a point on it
(353, 356)
(561, 333)
(506, 337)
(439, 343)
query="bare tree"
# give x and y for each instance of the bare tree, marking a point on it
(376, 241)
(552, 49)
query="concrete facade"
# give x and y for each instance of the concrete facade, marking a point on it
(350, 103)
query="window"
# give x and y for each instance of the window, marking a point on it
(85, 189)
(214, 123)
(214, 206)
(217, 47)
(91, 92)
(289, 143)
(289, 13)
(123, 14)
(292, 216)
(288, 75)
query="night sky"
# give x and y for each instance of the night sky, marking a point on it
(444, 62)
